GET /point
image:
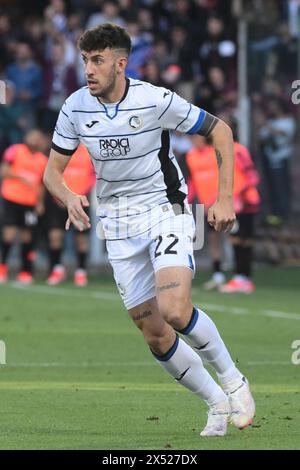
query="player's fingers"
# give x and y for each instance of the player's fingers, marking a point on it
(78, 224)
(68, 223)
(84, 201)
(211, 217)
(78, 213)
(218, 226)
(229, 227)
(82, 214)
(79, 218)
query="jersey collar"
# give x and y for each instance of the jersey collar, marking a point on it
(117, 104)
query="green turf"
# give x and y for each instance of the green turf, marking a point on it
(78, 375)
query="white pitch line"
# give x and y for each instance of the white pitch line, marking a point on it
(220, 308)
(279, 314)
(81, 364)
(115, 297)
(268, 363)
(65, 292)
(125, 364)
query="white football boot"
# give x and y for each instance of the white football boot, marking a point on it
(218, 419)
(241, 402)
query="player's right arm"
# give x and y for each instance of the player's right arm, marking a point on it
(64, 143)
(55, 183)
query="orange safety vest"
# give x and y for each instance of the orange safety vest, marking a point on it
(79, 174)
(26, 164)
(203, 169)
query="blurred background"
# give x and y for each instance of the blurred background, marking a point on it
(235, 58)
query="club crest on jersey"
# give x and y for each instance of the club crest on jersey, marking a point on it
(135, 122)
(111, 148)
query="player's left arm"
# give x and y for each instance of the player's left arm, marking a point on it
(174, 112)
(221, 214)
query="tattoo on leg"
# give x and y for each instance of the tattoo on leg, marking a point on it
(172, 285)
(219, 158)
(145, 314)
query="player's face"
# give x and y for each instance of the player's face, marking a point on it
(102, 69)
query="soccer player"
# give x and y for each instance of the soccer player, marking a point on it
(125, 125)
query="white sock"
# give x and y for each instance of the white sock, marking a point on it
(184, 364)
(205, 338)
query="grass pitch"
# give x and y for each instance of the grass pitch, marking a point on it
(78, 375)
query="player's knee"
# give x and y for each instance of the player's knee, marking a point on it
(158, 339)
(177, 314)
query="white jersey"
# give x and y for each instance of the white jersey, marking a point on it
(129, 144)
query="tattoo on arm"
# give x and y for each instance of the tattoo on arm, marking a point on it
(145, 314)
(219, 158)
(168, 286)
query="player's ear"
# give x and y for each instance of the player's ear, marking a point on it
(121, 63)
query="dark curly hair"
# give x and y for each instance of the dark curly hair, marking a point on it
(105, 35)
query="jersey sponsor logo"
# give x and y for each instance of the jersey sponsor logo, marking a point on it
(135, 122)
(114, 147)
(91, 124)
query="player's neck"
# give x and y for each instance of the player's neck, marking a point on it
(115, 95)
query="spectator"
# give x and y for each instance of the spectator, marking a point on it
(276, 138)
(12, 119)
(60, 82)
(55, 13)
(161, 53)
(141, 50)
(109, 13)
(152, 73)
(74, 27)
(34, 32)
(217, 94)
(7, 40)
(145, 20)
(217, 49)
(26, 75)
(183, 54)
(286, 55)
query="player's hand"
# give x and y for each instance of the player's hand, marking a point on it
(221, 215)
(77, 215)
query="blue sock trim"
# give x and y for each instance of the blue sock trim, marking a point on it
(165, 357)
(191, 324)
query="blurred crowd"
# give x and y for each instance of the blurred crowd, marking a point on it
(189, 46)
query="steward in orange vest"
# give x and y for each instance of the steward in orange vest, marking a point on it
(22, 192)
(202, 163)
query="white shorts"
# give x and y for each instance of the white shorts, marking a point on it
(136, 260)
